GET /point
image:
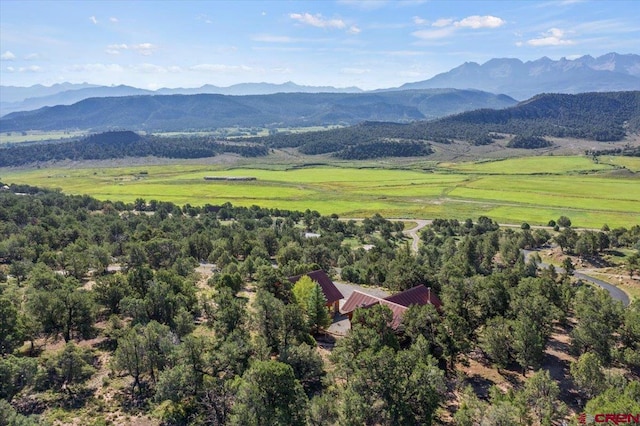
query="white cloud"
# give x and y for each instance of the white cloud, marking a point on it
(221, 68)
(144, 49)
(419, 21)
(442, 22)
(113, 19)
(317, 20)
(32, 57)
(10, 69)
(447, 27)
(93, 19)
(476, 22)
(204, 18)
(354, 30)
(553, 37)
(32, 68)
(355, 71)
(8, 56)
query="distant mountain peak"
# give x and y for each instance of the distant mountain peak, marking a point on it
(522, 80)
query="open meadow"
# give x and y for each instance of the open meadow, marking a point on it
(532, 189)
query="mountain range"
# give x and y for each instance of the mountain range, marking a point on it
(207, 111)
(513, 77)
(522, 80)
(38, 96)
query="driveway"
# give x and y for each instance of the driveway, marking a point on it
(341, 324)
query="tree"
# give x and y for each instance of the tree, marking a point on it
(225, 312)
(599, 317)
(10, 330)
(568, 267)
(317, 313)
(302, 290)
(68, 310)
(633, 264)
(564, 221)
(588, 375)
(495, 341)
(15, 374)
(624, 399)
(131, 355)
(110, 290)
(527, 343)
(306, 363)
(269, 394)
(541, 394)
(421, 320)
(70, 366)
(268, 318)
(630, 334)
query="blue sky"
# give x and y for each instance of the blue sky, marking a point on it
(369, 44)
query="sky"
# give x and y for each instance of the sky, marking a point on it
(364, 43)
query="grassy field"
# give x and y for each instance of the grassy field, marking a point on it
(37, 136)
(517, 190)
(533, 165)
(631, 163)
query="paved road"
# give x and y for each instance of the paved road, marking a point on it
(615, 292)
(413, 232)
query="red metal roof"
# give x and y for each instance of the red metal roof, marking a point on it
(329, 289)
(359, 300)
(418, 295)
(398, 303)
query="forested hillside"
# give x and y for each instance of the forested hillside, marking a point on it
(208, 111)
(109, 314)
(595, 116)
(592, 116)
(121, 144)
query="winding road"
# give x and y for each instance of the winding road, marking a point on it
(614, 292)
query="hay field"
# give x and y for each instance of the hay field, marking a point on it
(533, 189)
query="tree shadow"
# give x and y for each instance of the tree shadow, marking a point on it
(480, 385)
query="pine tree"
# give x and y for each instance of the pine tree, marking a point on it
(317, 314)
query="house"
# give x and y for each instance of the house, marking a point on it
(398, 303)
(329, 289)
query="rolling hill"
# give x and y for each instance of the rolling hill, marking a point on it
(592, 116)
(198, 112)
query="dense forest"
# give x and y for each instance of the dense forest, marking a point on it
(121, 144)
(103, 316)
